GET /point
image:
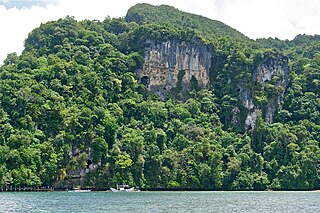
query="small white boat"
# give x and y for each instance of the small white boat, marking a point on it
(80, 190)
(123, 188)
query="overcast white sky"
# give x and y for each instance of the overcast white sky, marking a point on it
(255, 18)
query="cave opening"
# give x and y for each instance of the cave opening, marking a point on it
(145, 80)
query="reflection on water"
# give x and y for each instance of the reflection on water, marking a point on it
(160, 202)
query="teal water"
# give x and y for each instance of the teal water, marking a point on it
(160, 202)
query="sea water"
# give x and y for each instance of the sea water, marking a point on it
(266, 201)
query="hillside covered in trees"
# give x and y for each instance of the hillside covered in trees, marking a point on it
(75, 111)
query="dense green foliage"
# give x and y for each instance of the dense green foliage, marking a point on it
(71, 104)
(169, 16)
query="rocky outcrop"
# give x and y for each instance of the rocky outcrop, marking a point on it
(173, 63)
(176, 64)
(274, 71)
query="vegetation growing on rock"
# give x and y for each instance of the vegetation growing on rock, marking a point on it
(74, 113)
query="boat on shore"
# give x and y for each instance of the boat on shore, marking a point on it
(123, 188)
(79, 190)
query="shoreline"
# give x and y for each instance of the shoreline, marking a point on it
(30, 189)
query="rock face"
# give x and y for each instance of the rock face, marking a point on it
(174, 63)
(275, 71)
(271, 68)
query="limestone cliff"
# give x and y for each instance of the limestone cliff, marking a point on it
(273, 67)
(273, 76)
(174, 63)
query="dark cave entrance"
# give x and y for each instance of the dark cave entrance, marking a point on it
(145, 80)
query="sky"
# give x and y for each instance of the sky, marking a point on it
(283, 19)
